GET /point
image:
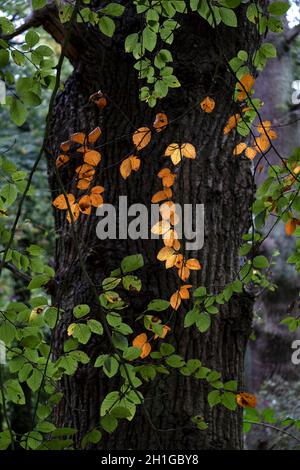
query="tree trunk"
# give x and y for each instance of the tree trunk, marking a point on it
(215, 178)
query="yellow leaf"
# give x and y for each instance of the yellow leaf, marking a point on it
(71, 329)
(165, 253)
(250, 153)
(96, 200)
(174, 151)
(160, 227)
(141, 137)
(184, 273)
(232, 123)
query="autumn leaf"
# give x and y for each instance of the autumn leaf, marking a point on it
(84, 183)
(163, 172)
(94, 135)
(244, 86)
(78, 137)
(250, 153)
(207, 105)
(60, 201)
(177, 151)
(232, 123)
(75, 211)
(92, 157)
(65, 146)
(184, 272)
(164, 333)
(239, 148)
(96, 200)
(85, 171)
(160, 227)
(175, 300)
(141, 137)
(161, 195)
(61, 160)
(167, 209)
(70, 329)
(128, 165)
(245, 400)
(262, 143)
(265, 129)
(193, 264)
(168, 180)
(184, 291)
(141, 342)
(290, 227)
(161, 121)
(84, 204)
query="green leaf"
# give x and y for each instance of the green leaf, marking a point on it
(113, 9)
(18, 111)
(109, 423)
(175, 361)
(191, 317)
(228, 17)
(92, 437)
(111, 399)
(149, 39)
(32, 38)
(131, 42)
(38, 281)
(5, 440)
(278, 8)
(132, 263)
(14, 392)
(158, 305)
(131, 353)
(9, 193)
(81, 310)
(120, 412)
(214, 398)
(82, 333)
(95, 326)
(204, 321)
(50, 316)
(132, 283)
(229, 401)
(35, 380)
(110, 366)
(231, 386)
(260, 262)
(37, 4)
(107, 26)
(268, 50)
(7, 332)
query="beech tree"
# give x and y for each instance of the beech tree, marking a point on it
(159, 107)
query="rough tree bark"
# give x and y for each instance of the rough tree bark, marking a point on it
(216, 179)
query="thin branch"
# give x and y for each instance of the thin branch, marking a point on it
(271, 426)
(16, 272)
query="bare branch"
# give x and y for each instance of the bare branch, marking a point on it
(17, 273)
(292, 34)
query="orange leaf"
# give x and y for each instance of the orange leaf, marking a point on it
(207, 105)
(85, 170)
(61, 160)
(290, 227)
(128, 165)
(140, 340)
(184, 273)
(101, 102)
(184, 291)
(193, 264)
(165, 331)
(141, 137)
(161, 121)
(167, 209)
(176, 244)
(175, 300)
(244, 86)
(163, 172)
(265, 128)
(61, 203)
(78, 137)
(97, 190)
(92, 157)
(75, 213)
(161, 195)
(245, 400)
(96, 200)
(84, 204)
(239, 148)
(232, 123)
(94, 135)
(168, 180)
(146, 350)
(250, 153)
(262, 143)
(188, 151)
(65, 146)
(83, 183)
